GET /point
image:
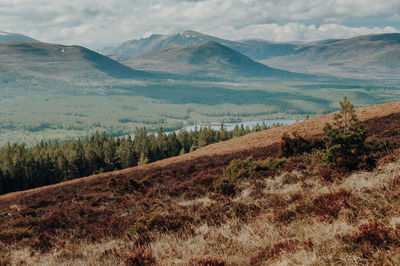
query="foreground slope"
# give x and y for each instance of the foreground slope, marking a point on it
(369, 56)
(203, 59)
(168, 213)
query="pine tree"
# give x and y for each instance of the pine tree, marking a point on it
(345, 142)
(143, 159)
(346, 118)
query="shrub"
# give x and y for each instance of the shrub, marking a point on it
(345, 148)
(239, 169)
(298, 145)
(344, 145)
(372, 237)
(269, 165)
(141, 256)
(15, 234)
(375, 233)
(330, 204)
(247, 168)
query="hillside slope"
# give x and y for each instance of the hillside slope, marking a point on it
(69, 63)
(203, 59)
(380, 120)
(369, 56)
(168, 213)
(14, 37)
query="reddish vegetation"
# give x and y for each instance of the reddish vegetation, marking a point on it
(275, 250)
(209, 261)
(330, 204)
(140, 256)
(140, 203)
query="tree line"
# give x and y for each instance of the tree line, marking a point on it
(23, 167)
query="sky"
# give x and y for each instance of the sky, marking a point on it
(99, 23)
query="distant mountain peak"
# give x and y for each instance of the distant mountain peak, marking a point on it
(256, 49)
(205, 59)
(191, 32)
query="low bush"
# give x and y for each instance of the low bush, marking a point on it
(330, 204)
(247, 168)
(298, 145)
(15, 234)
(377, 234)
(141, 256)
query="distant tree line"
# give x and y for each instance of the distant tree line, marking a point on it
(23, 167)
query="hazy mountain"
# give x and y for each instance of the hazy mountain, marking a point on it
(14, 37)
(369, 56)
(255, 49)
(69, 63)
(203, 59)
(156, 41)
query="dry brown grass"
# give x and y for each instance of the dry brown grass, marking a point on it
(172, 214)
(264, 240)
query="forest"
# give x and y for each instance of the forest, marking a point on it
(24, 167)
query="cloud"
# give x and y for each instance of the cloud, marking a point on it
(299, 32)
(95, 23)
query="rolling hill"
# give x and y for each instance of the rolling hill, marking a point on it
(170, 212)
(369, 56)
(14, 37)
(207, 59)
(67, 63)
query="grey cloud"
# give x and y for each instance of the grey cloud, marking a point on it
(102, 22)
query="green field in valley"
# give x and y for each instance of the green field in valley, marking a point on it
(64, 111)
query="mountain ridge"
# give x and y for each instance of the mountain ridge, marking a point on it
(208, 58)
(373, 56)
(137, 47)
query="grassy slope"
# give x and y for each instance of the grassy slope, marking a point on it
(171, 210)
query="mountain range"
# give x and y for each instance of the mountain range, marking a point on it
(206, 59)
(363, 57)
(191, 54)
(255, 49)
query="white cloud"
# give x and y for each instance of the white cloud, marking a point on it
(99, 22)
